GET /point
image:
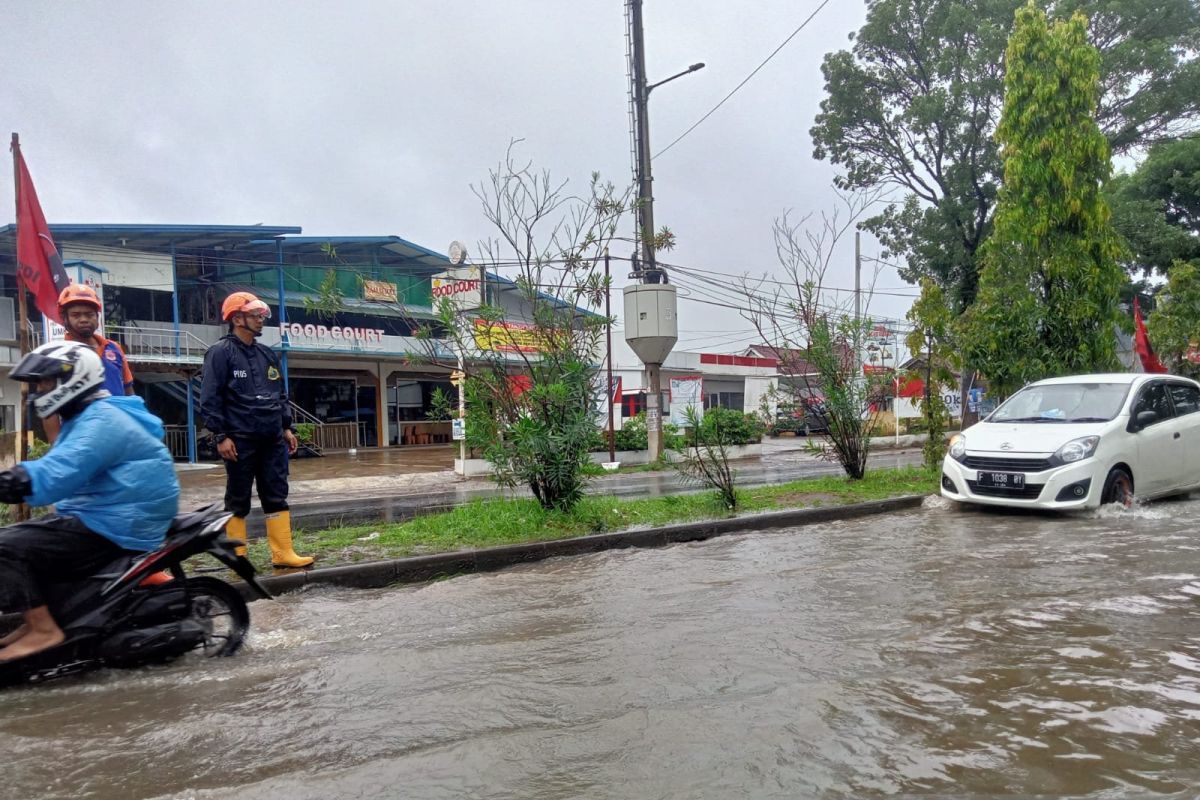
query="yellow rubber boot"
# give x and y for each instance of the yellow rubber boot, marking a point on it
(279, 536)
(236, 529)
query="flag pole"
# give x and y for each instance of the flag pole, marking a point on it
(22, 510)
(22, 307)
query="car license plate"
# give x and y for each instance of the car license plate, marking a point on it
(1002, 480)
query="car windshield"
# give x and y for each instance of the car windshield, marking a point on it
(1063, 402)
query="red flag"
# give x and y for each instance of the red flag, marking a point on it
(1141, 343)
(40, 267)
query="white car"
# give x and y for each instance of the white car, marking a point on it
(1080, 441)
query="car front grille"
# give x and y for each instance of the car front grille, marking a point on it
(1002, 464)
(1029, 492)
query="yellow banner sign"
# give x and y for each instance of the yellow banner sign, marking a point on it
(507, 337)
(379, 290)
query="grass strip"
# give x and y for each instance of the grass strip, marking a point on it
(497, 521)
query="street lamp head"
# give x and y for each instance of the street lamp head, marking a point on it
(696, 66)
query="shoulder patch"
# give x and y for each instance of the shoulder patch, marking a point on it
(272, 373)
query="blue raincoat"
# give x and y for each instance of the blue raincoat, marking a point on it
(110, 469)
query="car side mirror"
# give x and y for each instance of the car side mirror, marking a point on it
(1144, 419)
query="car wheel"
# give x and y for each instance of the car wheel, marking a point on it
(1118, 488)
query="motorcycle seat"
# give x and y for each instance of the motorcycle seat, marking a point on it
(191, 518)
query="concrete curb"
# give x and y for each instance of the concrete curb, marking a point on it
(377, 574)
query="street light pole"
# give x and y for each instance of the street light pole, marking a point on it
(649, 271)
(655, 314)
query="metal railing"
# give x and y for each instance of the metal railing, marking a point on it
(177, 440)
(336, 435)
(162, 345)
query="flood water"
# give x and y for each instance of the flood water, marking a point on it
(937, 652)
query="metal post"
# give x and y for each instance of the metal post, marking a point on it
(22, 320)
(462, 411)
(175, 299)
(896, 381)
(283, 338)
(191, 420)
(612, 436)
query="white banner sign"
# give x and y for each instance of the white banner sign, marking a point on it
(908, 408)
(686, 393)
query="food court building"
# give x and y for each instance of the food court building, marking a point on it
(345, 310)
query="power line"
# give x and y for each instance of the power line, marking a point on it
(744, 82)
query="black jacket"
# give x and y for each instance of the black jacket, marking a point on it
(241, 392)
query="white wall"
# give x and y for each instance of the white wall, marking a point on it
(756, 389)
(136, 268)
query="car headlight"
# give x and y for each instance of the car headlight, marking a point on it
(958, 446)
(1077, 450)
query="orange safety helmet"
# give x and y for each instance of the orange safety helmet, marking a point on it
(245, 303)
(79, 293)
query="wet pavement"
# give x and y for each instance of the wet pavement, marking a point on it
(940, 652)
(396, 483)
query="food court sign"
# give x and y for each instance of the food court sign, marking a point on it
(462, 286)
(332, 337)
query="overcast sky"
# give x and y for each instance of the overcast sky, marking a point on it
(376, 117)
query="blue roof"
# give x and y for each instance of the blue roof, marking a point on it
(393, 245)
(161, 236)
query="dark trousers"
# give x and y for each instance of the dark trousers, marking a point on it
(262, 462)
(47, 550)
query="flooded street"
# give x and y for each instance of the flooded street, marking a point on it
(935, 652)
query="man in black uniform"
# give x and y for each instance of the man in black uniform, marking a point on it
(242, 401)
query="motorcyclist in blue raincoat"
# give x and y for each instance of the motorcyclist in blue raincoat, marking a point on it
(109, 475)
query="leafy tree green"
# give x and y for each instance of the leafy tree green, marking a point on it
(913, 104)
(932, 340)
(1157, 207)
(1050, 283)
(531, 379)
(1174, 326)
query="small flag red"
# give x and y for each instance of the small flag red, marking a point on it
(40, 267)
(1141, 343)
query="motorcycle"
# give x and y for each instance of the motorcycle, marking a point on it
(143, 609)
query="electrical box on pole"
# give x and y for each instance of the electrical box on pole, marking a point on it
(651, 329)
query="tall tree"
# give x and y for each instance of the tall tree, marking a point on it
(1157, 207)
(913, 106)
(1050, 283)
(1174, 326)
(932, 340)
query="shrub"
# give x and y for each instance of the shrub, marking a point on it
(735, 428)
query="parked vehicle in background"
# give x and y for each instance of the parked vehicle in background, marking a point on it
(1081, 441)
(803, 418)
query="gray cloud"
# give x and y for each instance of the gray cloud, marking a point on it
(376, 117)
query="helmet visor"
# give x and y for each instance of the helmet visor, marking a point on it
(36, 367)
(256, 308)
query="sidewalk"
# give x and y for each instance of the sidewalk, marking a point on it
(394, 483)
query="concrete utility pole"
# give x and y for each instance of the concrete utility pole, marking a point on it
(652, 311)
(857, 277)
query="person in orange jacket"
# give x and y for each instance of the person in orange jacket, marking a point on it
(80, 307)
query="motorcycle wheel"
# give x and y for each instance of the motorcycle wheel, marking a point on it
(221, 612)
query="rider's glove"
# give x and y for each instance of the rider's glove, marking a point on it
(15, 485)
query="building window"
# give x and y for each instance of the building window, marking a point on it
(632, 405)
(734, 400)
